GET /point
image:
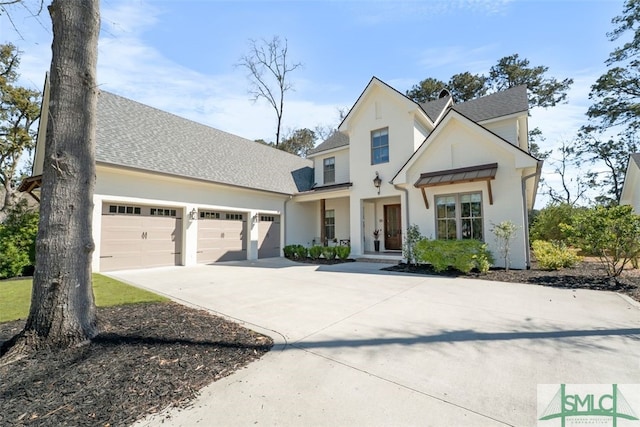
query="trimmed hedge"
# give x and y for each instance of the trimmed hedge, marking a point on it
(342, 252)
(315, 252)
(462, 255)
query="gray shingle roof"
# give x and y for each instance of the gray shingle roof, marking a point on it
(336, 140)
(636, 158)
(435, 107)
(135, 135)
(499, 104)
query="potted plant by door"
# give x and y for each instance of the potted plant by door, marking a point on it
(376, 242)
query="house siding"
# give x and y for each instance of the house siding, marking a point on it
(341, 166)
(505, 129)
(449, 151)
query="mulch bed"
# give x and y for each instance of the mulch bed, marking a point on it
(147, 357)
(588, 274)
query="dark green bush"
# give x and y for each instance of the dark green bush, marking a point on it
(554, 255)
(17, 241)
(612, 234)
(462, 255)
(329, 252)
(546, 225)
(315, 252)
(342, 252)
(289, 251)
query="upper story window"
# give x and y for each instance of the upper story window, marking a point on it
(380, 146)
(329, 168)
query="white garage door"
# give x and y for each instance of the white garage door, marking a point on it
(139, 237)
(269, 236)
(221, 236)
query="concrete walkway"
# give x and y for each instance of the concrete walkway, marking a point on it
(362, 347)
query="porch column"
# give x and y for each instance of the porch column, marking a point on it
(323, 209)
(253, 235)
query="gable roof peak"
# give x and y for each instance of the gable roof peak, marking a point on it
(498, 104)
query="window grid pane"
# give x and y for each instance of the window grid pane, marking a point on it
(468, 225)
(329, 170)
(330, 224)
(380, 146)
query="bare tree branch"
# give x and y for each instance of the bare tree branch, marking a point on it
(267, 65)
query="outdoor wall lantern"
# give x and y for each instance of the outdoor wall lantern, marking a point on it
(377, 182)
(193, 214)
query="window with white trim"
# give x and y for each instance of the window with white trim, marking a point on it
(330, 224)
(329, 169)
(459, 216)
(380, 146)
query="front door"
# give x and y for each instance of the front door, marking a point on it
(392, 228)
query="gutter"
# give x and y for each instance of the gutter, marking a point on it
(526, 210)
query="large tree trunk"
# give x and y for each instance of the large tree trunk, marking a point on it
(62, 309)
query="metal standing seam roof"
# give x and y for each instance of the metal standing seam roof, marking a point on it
(451, 176)
(138, 136)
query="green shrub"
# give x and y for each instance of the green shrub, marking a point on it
(612, 234)
(546, 224)
(554, 255)
(302, 252)
(17, 241)
(342, 252)
(329, 252)
(462, 255)
(295, 251)
(289, 251)
(411, 238)
(315, 252)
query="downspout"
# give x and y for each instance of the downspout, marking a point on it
(526, 211)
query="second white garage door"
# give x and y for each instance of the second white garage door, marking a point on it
(269, 236)
(221, 236)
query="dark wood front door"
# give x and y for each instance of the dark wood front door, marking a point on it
(392, 228)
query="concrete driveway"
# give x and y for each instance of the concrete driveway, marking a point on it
(362, 347)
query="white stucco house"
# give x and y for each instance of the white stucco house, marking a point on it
(631, 187)
(170, 191)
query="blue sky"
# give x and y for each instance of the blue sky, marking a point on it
(180, 56)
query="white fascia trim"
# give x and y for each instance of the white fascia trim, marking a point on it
(323, 152)
(148, 202)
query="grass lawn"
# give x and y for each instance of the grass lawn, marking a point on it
(15, 296)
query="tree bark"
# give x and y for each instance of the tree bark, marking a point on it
(62, 312)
